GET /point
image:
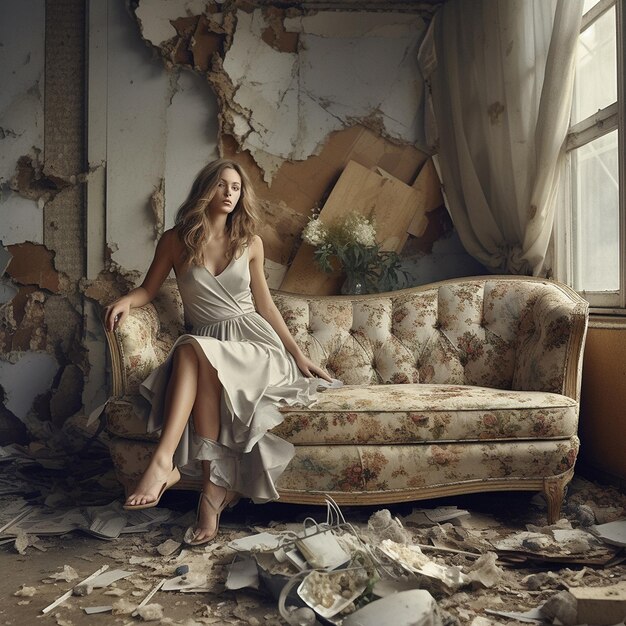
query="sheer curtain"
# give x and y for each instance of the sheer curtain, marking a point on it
(501, 74)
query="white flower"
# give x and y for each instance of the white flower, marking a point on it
(360, 230)
(314, 232)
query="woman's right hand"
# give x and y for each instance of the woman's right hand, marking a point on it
(116, 313)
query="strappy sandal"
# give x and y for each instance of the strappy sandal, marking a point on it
(229, 500)
(172, 479)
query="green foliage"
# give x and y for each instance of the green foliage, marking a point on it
(352, 242)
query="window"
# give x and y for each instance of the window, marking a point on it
(591, 238)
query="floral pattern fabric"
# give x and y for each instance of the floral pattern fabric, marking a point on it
(388, 414)
(335, 469)
(457, 381)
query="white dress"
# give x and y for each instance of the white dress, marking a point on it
(256, 373)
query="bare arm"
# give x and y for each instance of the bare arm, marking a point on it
(162, 263)
(267, 309)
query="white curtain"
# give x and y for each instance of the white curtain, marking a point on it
(501, 74)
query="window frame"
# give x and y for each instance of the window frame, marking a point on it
(598, 124)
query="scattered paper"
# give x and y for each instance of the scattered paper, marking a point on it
(106, 522)
(109, 577)
(91, 610)
(613, 533)
(44, 521)
(261, 542)
(192, 582)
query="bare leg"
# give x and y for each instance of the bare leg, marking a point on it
(206, 420)
(179, 400)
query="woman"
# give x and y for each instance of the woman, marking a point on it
(232, 369)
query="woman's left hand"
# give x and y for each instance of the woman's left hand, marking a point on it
(309, 369)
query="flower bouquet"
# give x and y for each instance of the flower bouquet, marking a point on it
(352, 241)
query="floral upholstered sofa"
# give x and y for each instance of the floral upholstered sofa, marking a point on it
(455, 387)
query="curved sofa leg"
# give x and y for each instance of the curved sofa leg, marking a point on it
(554, 492)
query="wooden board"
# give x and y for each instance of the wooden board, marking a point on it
(388, 200)
(300, 186)
(428, 187)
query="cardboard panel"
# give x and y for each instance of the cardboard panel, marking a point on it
(302, 185)
(428, 188)
(388, 200)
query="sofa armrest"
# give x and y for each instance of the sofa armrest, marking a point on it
(134, 350)
(551, 343)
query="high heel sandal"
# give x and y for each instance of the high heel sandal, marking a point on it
(229, 500)
(172, 479)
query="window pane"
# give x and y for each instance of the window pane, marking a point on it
(589, 4)
(595, 201)
(596, 68)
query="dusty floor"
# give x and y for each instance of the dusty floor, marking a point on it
(523, 581)
(509, 512)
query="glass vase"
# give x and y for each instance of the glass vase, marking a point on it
(354, 285)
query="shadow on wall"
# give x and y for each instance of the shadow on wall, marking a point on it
(438, 254)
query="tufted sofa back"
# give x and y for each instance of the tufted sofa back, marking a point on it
(504, 332)
(508, 333)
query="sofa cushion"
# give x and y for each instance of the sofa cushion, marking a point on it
(400, 414)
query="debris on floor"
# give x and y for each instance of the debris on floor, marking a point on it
(481, 565)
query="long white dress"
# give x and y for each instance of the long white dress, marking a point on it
(256, 373)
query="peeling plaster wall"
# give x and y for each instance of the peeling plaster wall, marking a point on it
(21, 124)
(160, 126)
(291, 94)
(42, 359)
(21, 72)
(191, 129)
(347, 68)
(291, 85)
(23, 375)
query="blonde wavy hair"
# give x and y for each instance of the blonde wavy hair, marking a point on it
(192, 224)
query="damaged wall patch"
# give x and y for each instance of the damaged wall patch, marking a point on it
(292, 101)
(285, 84)
(38, 368)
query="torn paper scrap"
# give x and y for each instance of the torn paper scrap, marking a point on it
(261, 542)
(92, 610)
(612, 532)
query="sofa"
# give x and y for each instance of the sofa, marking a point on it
(461, 386)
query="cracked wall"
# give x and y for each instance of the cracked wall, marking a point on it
(301, 92)
(294, 95)
(285, 80)
(42, 360)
